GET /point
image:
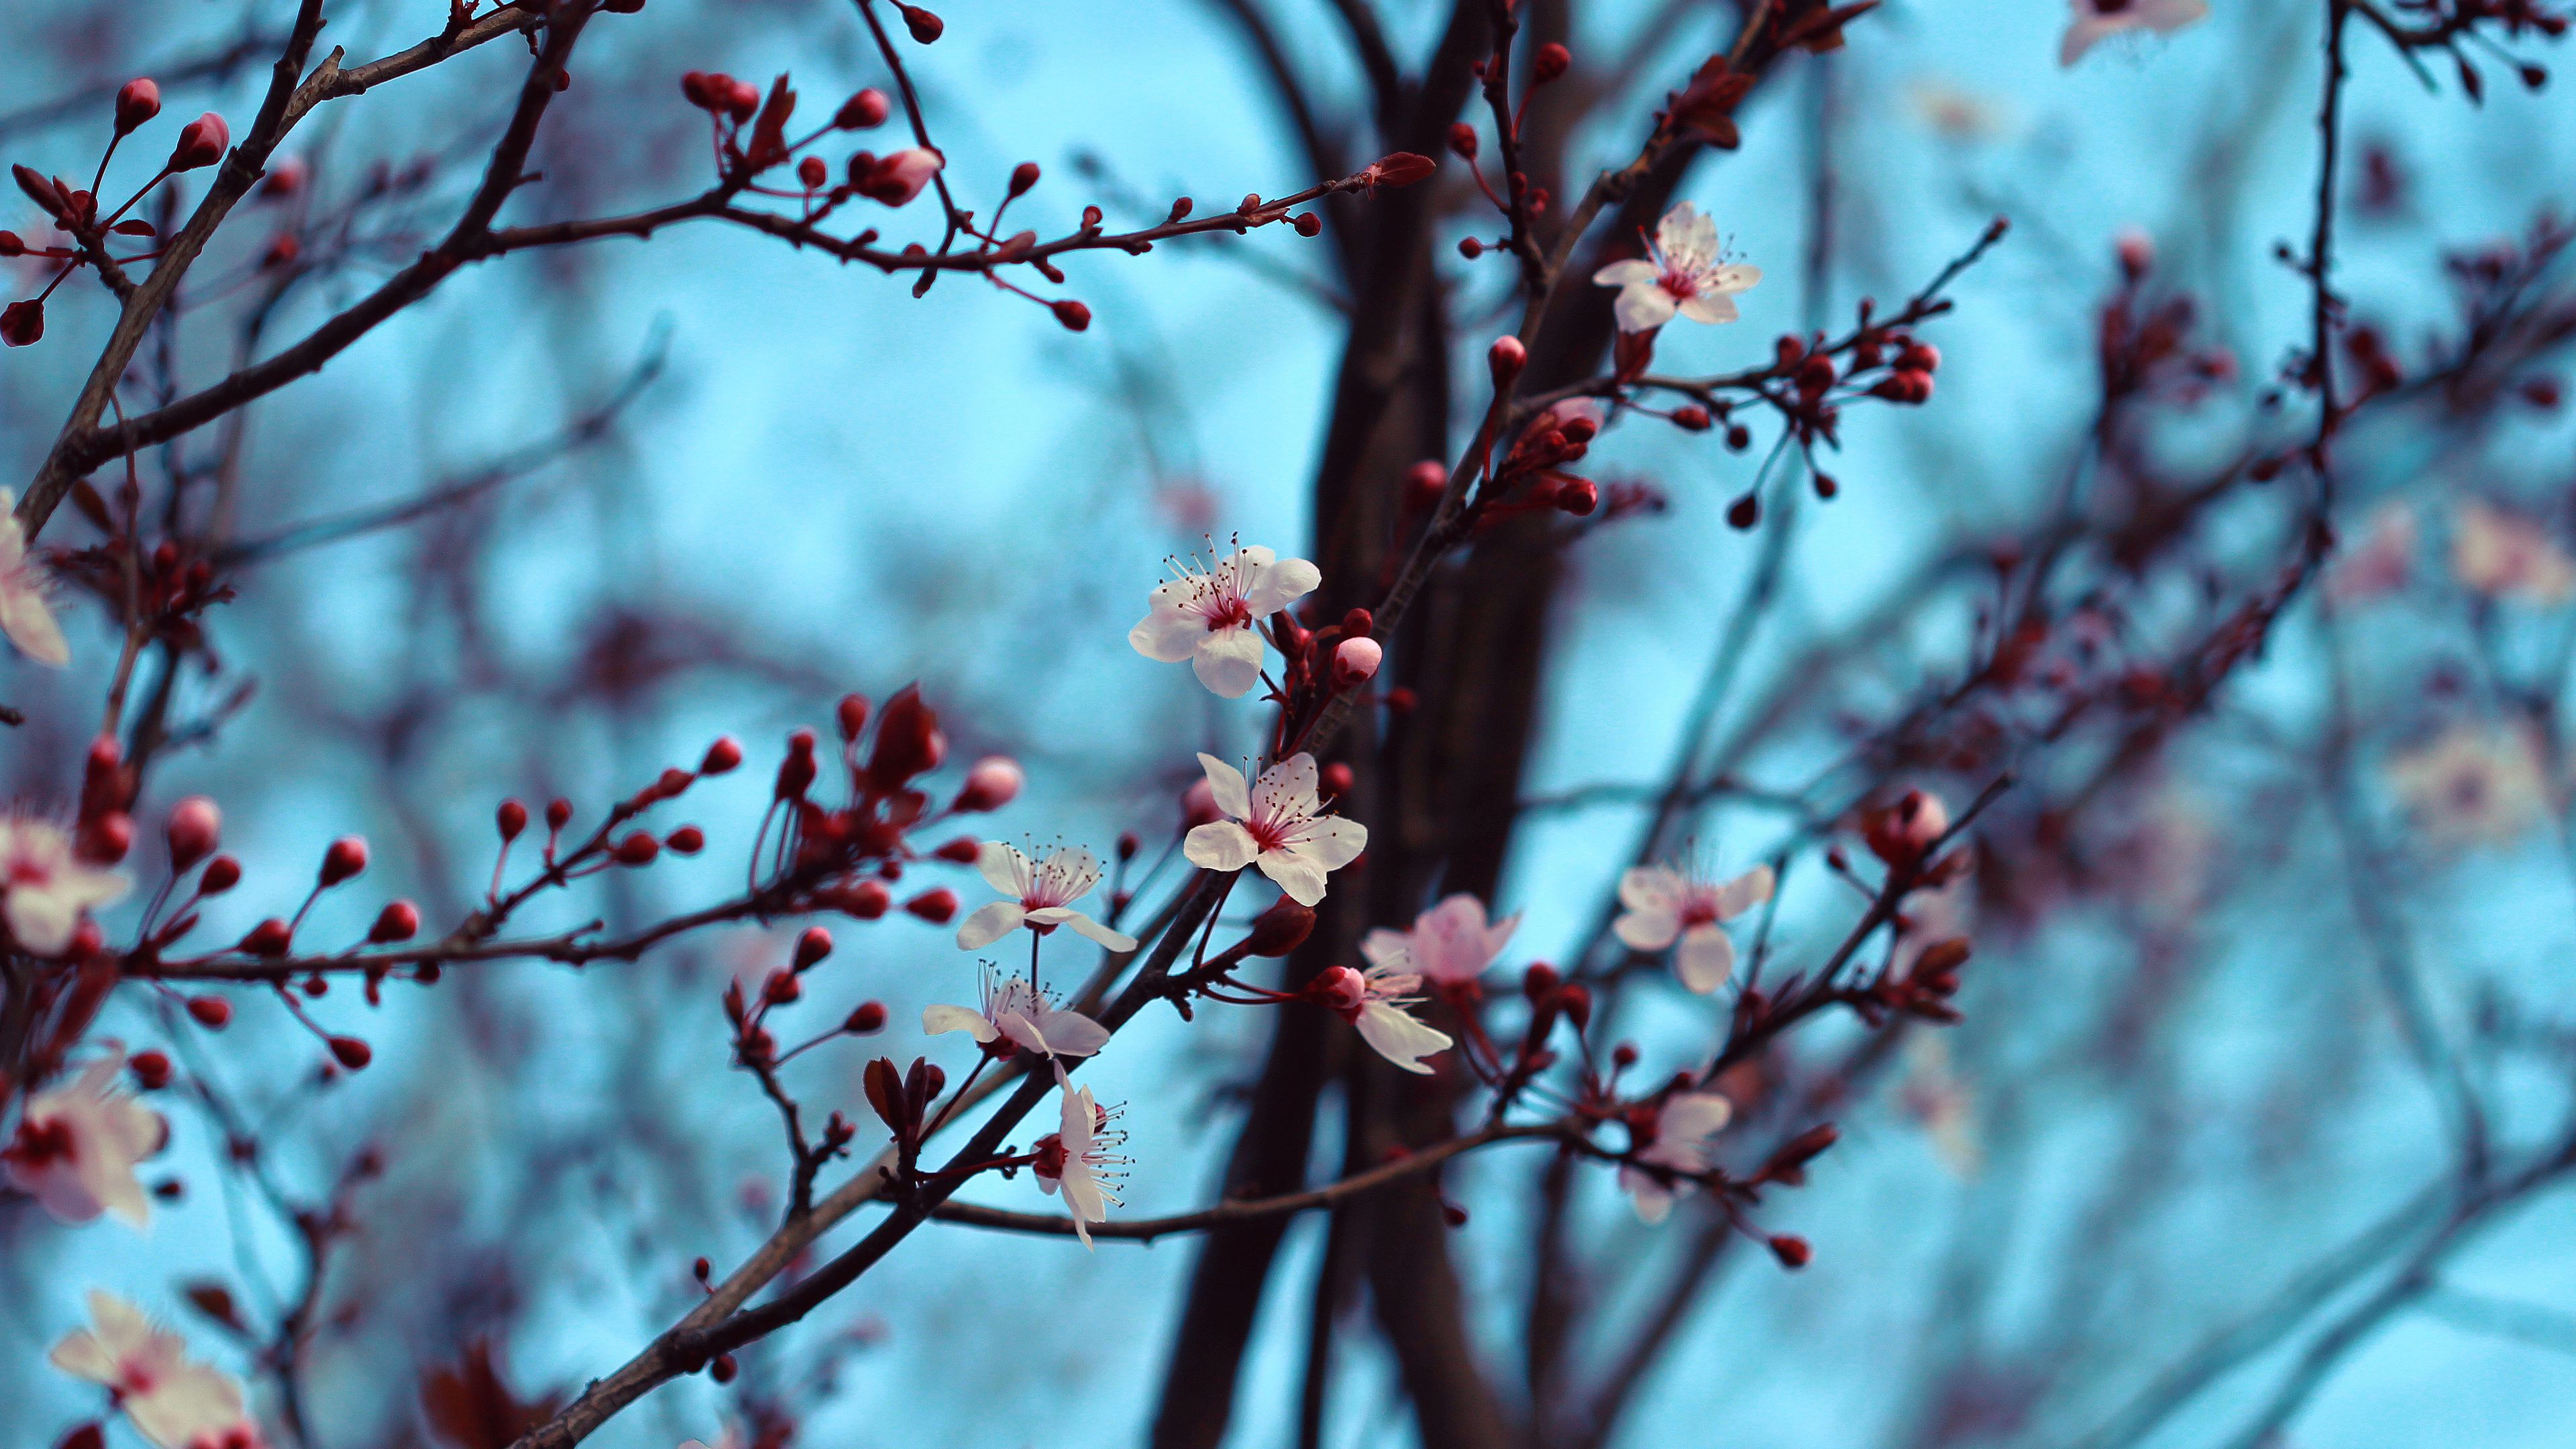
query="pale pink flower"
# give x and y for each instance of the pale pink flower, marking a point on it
(1081, 1159)
(1375, 1003)
(24, 615)
(2473, 785)
(2096, 20)
(175, 1403)
(1450, 944)
(77, 1145)
(1664, 906)
(1683, 1126)
(1277, 825)
(2383, 562)
(1685, 271)
(1208, 617)
(1018, 1011)
(2506, 555)
(44, 888)
(1040, 897)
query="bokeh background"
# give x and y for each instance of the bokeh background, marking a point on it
(2181, 1083)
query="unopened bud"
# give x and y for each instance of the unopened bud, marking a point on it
(151, 1070)
(138, 102)
(512, 818)
(867, 109)
(925, 27)
(1792, 1251)
(1506, 358)
(222, 874)
(994, 782)
(1549, 62)
(811, 947)
(638, 848)
(202, 142)
(870, 1017)
(210, 1012)
(938, 907)
(398, 921)
(723, 755)
(1355, 662)
(346, 858)
(687, 840)
(1280, 929)
(351, 1052)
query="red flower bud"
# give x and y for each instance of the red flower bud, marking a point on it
(687, 840)
(1506, 358)
(1579, 497)
(138, 102)
(813, 173)
(1023, 176)
(22, 324)
(938, 907)
(1335, 779)
(351, 1052)
(925, 27)
(398, 921)
(558, 814)
(1792, 1252)
(222, 874)
(851, 714)
(638, 848)
(1280, 929)
(993, 783)
(1900, 833)
(107, 839)
(867, 900)
(867, 109)
(1075, 316)
(1691, 419)
(870, 1017)
(1550, 62)
(202, 142)
(723, 755)
(1403, 169)
(210, 1012)
(346, 858)
(1462, 140)
(908, 741)
(511, 818)
(151, 1070)
(812, 946)
(269, 938)
(781, 988)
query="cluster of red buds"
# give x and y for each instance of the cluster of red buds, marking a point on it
(1532, 476)
(2145, 341)
(74, 210)
(751, 138)
(903, 1100)
(844, 857)
(173, 588)
(1548, 63)
(1322, 664)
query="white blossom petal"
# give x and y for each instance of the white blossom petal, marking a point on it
(989, 923)
(1233, 794)
(1705, 960)
(1223, 845)
(1396, 1036)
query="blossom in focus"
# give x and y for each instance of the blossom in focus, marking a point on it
(1682, 1127)
(1209, 616)
(77, 1144)
(1684, 271)
(1375, 1003)
(1663, 906)
(24, 615)
(44, 888)
(2382, 563)
(2472, 785)
(1040, 897)
(2505, 555)
(2096, 20)
(1278, 825)
(174, 1403)
(1017, 1011)
(1450, 944)
(1081, 1159)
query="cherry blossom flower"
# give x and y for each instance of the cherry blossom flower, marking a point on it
(1679, 1143)
(174, 1403)
(2473, 785)
(2383, 562)
(24, 615)
(44, 888)
(77, 1144)
(1664, 905)
(1450, 944)
(1040, 897)
(1014, 1010)
(1208, 617)
(1374, 1002)
(1277, 825)
(1684, 272)
(2096, 20)
(2506, 555)
(1081, 1159)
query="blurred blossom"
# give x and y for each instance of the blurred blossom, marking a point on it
(1938, 1097)
(2472, 785)
(2506, 555)
(2381, 562)
(1956, 113)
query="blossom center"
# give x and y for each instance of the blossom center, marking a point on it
(41, 1143)
(1680, 282)
(27, 870)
